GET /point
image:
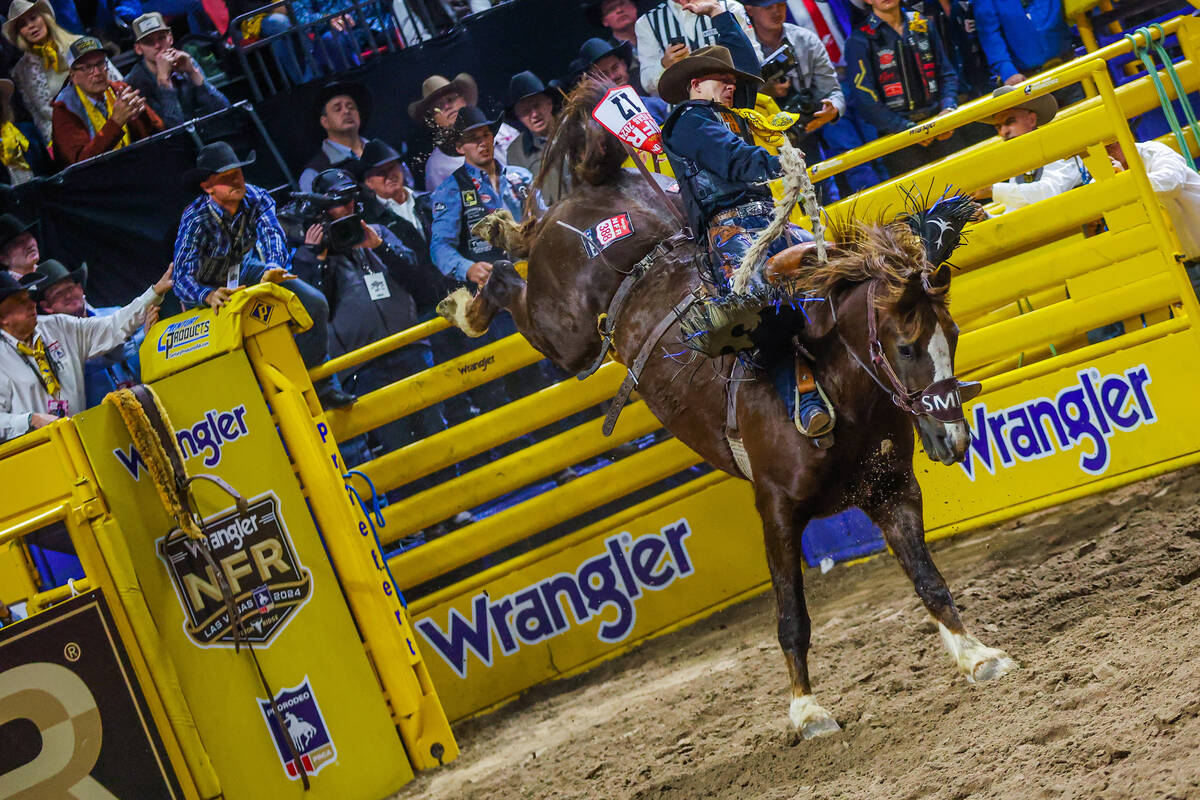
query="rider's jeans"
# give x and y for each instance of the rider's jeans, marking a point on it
(729, 239)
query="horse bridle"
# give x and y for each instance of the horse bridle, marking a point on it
(943, 400)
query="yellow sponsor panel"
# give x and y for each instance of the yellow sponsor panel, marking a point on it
(594, 599)
(1100, 419)
(282, 582)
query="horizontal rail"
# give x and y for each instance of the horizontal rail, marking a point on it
(431, 386)
(378, 348)
(472, 542)
(43, 600)
(513, 471)
(482, 433)
(34, 523)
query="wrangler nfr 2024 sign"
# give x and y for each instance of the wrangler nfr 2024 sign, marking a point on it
(254, 552)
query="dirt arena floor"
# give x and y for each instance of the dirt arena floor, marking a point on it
(1097, 600)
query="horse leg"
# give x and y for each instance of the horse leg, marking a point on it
(473, 313)
(783, 524)
(899, 517)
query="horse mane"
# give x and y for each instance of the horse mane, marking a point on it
(892, 255)
(590, 153)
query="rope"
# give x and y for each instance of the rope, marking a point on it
(797, 189)
(1141, 49)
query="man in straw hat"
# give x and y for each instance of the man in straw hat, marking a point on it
(437, 108)
(1043, 182)
(94, 114)
(61, 291)
(42, 357)
(229, 237)
(723, 178)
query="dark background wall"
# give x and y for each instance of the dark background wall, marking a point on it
(119, 213)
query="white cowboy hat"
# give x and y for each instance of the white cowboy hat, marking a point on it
(18, 9)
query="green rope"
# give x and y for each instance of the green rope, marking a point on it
(1144, 55)
(1180, 94)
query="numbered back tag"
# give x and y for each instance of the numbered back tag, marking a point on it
(622, 114)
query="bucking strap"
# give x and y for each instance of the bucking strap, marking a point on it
(639, 363)
(732, 434)
(607, 323)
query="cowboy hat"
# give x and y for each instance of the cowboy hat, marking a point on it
(53, 272)
(1044, 107)
(18, 9)
(375, 153)
(213, 159)
(353, 89)
(526, 84)
(595, 49)
(711, 60)
(435, 86)
(11, 228)
(10, 284)
(469, 119)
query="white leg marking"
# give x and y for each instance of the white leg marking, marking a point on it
(943, 367)
(809, 719)
(975, 660)
(454, 308)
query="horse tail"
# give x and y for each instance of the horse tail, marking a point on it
(588, 153)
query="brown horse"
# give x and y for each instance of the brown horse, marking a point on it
(870, 463)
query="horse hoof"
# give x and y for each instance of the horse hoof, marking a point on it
(810, 720)
(993, 667)
(453, 309)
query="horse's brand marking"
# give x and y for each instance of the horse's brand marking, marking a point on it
(207, 437)
(1087, 413)
(538, 612)
(481, 365)
(265, 577)
(306, 728)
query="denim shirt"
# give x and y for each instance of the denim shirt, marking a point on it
(515, 185)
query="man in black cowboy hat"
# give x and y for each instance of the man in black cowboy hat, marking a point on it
(438, 107)
(723, 178)
(344, 107)
(612, 60)
(42, 357)
(19, 252)
(532, 104)
(229, 237)
(61, 291)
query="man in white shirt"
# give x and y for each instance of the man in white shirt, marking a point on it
(1175, 183)
(1044, 182)
(670, 30)
(42, 358)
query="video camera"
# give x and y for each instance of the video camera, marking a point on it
(331, 188)
(781, 65)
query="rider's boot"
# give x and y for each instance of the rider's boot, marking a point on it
(812, 418)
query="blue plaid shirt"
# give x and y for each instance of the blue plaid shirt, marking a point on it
(201, 234)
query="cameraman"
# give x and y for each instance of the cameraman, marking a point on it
(368, 278)
(801, 78)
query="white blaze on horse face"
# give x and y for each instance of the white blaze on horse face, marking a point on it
(943, 368)
(975, 660)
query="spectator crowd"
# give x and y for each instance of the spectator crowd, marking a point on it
(376, 234)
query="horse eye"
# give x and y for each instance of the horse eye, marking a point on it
(906, 350)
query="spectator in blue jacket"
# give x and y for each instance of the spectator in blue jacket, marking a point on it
(1022, 37)
(112, 15)
(900, 76)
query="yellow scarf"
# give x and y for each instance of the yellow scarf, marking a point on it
(48, 53)
(97, 119)
(38, 353)
(13, 146)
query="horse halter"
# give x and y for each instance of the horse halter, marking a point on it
(943, 400)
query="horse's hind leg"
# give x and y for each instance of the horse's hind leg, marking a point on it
(899, 517)
(783, 524)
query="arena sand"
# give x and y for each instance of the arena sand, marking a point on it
(1099, 602)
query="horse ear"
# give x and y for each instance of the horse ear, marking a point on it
(939, 279)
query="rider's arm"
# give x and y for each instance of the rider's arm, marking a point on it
(443, 246)
(865, 95)
(731, 36)
(700, 136)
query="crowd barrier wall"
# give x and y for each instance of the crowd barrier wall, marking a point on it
(1029, 287)
(327, 625)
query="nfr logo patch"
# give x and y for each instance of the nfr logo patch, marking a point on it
(265, 577)
(304, 728)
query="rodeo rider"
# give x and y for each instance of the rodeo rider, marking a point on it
(722, 175)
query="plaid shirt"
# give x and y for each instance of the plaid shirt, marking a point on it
(201, 234)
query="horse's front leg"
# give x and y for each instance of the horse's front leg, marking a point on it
(783, 524)
(898, 514)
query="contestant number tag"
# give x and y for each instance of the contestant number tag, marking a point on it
(377, 286)
(622, 114)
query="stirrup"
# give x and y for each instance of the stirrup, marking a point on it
(821, 437)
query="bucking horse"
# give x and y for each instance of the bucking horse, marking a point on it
(871, 317)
